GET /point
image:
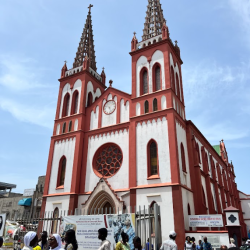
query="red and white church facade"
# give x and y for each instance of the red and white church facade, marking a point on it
(140, 144)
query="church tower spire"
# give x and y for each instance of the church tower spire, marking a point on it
(86, 45)
(154, 20)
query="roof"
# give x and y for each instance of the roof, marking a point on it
(4, 186)
(231, 209)
(25, 202)
(217, 149)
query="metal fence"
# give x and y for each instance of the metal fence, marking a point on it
(147, 223)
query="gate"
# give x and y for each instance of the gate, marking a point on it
(147, 223)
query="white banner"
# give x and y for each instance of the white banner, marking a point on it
(2, 223)
(214, 220)
(86, 228)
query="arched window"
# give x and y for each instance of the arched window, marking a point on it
(75, 100)
(189, 213)
(172, 79)
(189, 210)
(152, 210)
(155, 108)
(61, 171)
(204, 197)
(183, 160)
(90, 99)
(64, 127)
(65, 111)
(70, 126)
(177, 85)
(198, 152)
(157, 77)
(146, 107)
(152, 158)
(55, 220)
(144, 81)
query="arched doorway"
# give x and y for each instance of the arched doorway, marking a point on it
(103, 203)
(236, 240)
(107, 207)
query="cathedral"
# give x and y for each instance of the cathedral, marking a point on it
(112, 149)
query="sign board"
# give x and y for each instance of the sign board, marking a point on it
(214, 220)
(28, 192)
(2, 223)
(87, 226)
(215, 241)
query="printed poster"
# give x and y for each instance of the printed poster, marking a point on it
(2, 223)
(86, 227)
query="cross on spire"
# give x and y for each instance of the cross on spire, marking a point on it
(65, 61)
(154, 20)
(86, 45)
(90, 6)
(134, 33)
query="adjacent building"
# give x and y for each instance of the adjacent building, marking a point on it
(17, 205)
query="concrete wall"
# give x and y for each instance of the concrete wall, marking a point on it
(163, 197)
(158, 131)
(222, 237)
(142, 62)
(187, 198)
(62, 148)
(182, 138)
(67, 89)
(108, 120)
(120, 179)
(60, 202)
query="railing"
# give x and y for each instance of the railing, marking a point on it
(149, 41)
(78, 69)
(95, 74)
(73, 71)
(147, 223)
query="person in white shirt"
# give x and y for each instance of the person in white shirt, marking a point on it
(231, 243)
(102, 235)
(55, 242)
(170, 244)
(188, 244)
(29, 239)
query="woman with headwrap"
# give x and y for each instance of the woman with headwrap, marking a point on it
(30, 240)
(55, 242)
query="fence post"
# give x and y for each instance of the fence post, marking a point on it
(139, 221)
(150, 227)
(156, 226)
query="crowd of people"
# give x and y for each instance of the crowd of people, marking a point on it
(54, 242)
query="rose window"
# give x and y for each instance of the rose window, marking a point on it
(107, 160)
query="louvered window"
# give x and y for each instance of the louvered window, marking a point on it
(146, 107)
(63, 168)
(70, 126)
(145, 82)
(153, 158)
(157, 78)
(76, 102)
(155, 108)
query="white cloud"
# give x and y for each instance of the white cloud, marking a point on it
(19, 74)
(212, 91)
(40, 115)
(242, 9)
(209, 78)
(220, 130)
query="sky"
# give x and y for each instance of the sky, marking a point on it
(36, 37)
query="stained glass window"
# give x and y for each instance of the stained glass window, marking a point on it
(107, 160)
